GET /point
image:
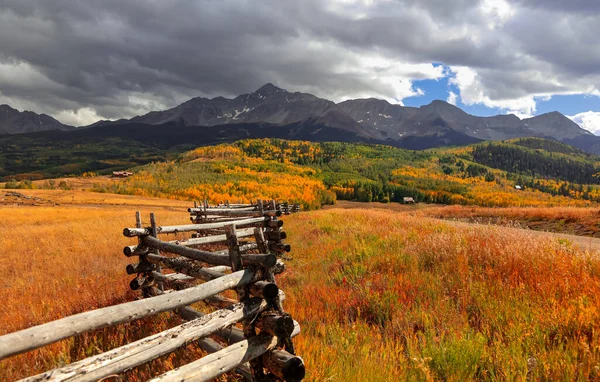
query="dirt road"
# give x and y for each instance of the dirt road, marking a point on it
(584, 242)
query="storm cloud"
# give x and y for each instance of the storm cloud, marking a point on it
(80, 61)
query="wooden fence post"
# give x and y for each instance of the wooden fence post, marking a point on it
(155, 251)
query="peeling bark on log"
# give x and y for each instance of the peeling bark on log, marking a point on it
(265, 260)
(132, 232)
(211, 239)
(190, 268)
(217, 209)
(211, 346)
(224, 360)
(225, 213)
(280, 326)
(215, 364)
(141, 282)
(149, 348)
(278, 268)
(264, 289)
(219, 301)
(230, 335)
(243, 248)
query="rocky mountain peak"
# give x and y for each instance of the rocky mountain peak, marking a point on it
(269, 89)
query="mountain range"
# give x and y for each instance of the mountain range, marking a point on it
(13, 121)
(272, 111)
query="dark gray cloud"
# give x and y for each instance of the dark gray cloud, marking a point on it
(82, 60)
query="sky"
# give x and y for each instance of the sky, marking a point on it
(81, 61)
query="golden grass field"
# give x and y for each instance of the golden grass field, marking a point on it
(380, 295)
(65, 259)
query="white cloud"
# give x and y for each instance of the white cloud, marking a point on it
(497, 12)
(81, 117)
(519, 114)
(472, 92)
(589, 120)
(122, 60)
(451, 98)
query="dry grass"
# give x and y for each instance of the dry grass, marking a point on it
(98, 199)
(385, 297)
(78, 183)
(380, 296)
(582, 221)
(62, 260)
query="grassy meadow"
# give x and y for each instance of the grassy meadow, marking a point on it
(384, 296)
(380, 295)
(65, 259)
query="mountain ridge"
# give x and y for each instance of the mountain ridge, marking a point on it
(366, 119)
(370, 118)
(13, 121)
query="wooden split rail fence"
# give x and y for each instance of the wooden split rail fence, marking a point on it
(232, 247)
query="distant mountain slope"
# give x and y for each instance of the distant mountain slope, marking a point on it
(367, 120)
(13, 121)
(269, 104)
(433, 125)
(395, 121)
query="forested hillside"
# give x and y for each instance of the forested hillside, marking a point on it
(497, 174)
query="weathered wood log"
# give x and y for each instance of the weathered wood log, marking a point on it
(276, 235)
(230, 335)
(280, 247)
(276, 325)
(219, 301)
(241, 209)
(286, 366)
(211, 239)
(275, 223)
(180, 277)
(190, 268)
(220, 268)
(141, 282)
(265, 260)
(227, 359)
(215, 364)
(259, 237)
(211, 346)
(233, 245)
(38, 336)
(201, 219)
(278, 268)
(181, 281)
(135, 250)
(261, 207)
(132, 269)
(237, 212)
(132, 232)
(149, 348)
(264, 289)
(243, 248)
(173, 277)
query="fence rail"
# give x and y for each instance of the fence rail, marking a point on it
(172, 275)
